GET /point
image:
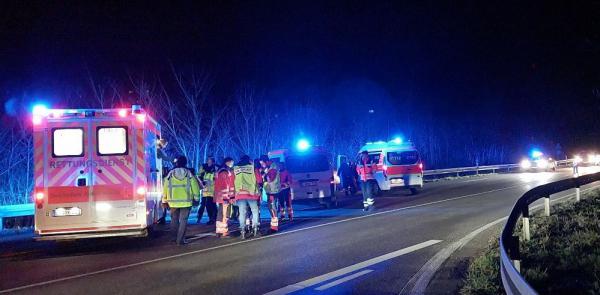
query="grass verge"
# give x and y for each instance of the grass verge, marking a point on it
(563, 255)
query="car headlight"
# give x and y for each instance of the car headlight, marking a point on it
(577, 159)
(525, 164)
(542, 163)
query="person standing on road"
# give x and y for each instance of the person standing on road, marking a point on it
(272, 186)
(365, 171)
(180, 192)
(247, 181)
(207, 176)
(285, 195)
(224, 196)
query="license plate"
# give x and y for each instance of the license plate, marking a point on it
(68, 211)
(398, 181)
(309, 183)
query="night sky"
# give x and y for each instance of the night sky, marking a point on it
(532, 70)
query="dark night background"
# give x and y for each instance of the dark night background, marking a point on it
(526, 74)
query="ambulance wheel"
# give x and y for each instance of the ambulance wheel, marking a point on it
(376, 190)
(414, 191)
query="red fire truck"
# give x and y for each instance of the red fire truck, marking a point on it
(96, 172)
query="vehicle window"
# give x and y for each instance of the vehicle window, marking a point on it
(403, 158)
(374, 158)
(307, 163)
(67, 142)
(112, 140)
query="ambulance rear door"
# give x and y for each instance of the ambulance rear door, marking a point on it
(113, 151)
(66, 176)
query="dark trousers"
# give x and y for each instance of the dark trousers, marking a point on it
(179, 221)
(211, 209)
(285, 201)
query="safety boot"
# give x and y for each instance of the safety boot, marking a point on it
(243, 234)
(256, 231)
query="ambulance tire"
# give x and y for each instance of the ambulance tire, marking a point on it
(414, 191)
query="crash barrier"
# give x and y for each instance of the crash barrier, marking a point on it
(24, 210)
(20, 215)
(490, 168)
(510, 259)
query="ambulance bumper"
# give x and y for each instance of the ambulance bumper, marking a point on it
(90, 235)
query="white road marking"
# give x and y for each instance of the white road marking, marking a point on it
(343, 280)
(352, 268)
(246, 241)
(419, 282)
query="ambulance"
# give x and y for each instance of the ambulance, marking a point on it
(398, 165)
(312, 173)
(96, 172)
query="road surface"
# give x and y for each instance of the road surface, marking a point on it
(399, 247)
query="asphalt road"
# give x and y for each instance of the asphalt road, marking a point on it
(338, 251)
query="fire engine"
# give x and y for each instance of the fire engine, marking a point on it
(397, 165)
(312, 172)
(96, 172)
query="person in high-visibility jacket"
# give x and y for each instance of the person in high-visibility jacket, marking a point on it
(207, 175)
(247, 180)
(366, 170)
(272, 186)
(180, 191)
(224, 196)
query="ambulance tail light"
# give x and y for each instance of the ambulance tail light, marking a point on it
(39, 200)
(123, 113)
(421, 166)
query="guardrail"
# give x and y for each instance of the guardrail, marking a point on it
(15, 211)
(493, 168)
(510, 260)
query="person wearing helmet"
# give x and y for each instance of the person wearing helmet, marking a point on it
(272, 186)
(224, 196)
(180, 191)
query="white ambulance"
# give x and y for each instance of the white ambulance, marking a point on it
(398, 165)
(96, 172)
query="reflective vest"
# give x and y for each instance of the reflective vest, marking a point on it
(245, 182)
(208, 178)
(365, 170)
(180, 188)
(272, 186)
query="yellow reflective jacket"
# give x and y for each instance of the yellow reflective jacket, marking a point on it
(180, 188)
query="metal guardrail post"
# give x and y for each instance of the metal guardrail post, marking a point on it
(526, 233)
(547, 205)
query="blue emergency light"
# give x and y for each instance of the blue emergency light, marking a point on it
(303, 145)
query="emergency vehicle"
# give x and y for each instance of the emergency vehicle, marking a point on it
(96, 172)
(311, 171)
(397, 165)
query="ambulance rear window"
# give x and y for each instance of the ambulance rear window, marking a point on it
(67, 142)
(112, 141)
(403, 158)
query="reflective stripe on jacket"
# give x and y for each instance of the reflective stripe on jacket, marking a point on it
(180, 188)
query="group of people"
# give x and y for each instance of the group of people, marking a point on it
(226, 189)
